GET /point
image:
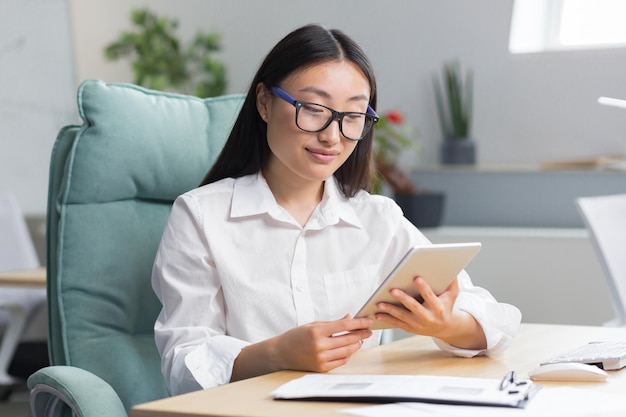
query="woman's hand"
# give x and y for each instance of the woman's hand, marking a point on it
(435, 316)
(322, 346)
(317, 347)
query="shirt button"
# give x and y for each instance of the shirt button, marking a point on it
(299, 287)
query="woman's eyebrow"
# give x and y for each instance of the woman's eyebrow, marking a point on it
(325, 94)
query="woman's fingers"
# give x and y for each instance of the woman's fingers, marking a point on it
(322, 346)
(426, 317)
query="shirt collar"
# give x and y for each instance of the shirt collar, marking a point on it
(335, 206)
(252, 196)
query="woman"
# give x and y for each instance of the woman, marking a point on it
(260, 268)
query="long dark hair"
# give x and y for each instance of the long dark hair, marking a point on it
(246, 149)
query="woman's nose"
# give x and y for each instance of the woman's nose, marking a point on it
(332, 133)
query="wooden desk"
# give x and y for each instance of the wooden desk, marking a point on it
(414, 355)
(27, 277)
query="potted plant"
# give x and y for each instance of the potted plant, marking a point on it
(392, 135)
(161, 62)
(454, 106)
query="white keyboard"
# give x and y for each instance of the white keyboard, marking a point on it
(606, 355)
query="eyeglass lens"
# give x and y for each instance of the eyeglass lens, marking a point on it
(313, 117)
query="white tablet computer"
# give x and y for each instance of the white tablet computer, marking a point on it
(438, 264)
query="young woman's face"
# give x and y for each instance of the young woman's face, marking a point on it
(297, 154)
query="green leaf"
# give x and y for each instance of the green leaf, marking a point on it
(159, 60)
(454, 107)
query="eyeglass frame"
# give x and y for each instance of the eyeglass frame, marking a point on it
(335, 115)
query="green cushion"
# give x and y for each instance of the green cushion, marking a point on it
(136, 151)
(147, 144)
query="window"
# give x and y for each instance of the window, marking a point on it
(543, 25)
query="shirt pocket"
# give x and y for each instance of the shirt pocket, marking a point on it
(347, 291)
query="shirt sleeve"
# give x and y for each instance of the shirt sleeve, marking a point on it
(500, 321)
(190, 329)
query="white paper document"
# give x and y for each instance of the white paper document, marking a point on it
(549, 402)
(397, 388)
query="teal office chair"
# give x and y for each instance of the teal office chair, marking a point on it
(112, 183)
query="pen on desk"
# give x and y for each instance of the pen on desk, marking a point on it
(508, 379)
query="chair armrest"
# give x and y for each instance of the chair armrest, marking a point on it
(55, 390)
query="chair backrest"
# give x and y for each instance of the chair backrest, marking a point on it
(112, 183)
(605, 218)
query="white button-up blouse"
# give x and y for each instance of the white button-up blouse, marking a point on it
(234, 268)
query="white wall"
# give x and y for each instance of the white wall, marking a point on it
(37, 89)
(528, 108)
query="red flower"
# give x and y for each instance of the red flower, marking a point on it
(394, 116)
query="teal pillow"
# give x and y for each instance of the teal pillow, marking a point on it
(127, 126)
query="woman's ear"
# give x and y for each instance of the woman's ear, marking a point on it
(263, 100)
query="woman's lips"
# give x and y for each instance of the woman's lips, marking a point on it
(323, 155)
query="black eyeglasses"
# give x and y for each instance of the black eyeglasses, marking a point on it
(313, 117)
